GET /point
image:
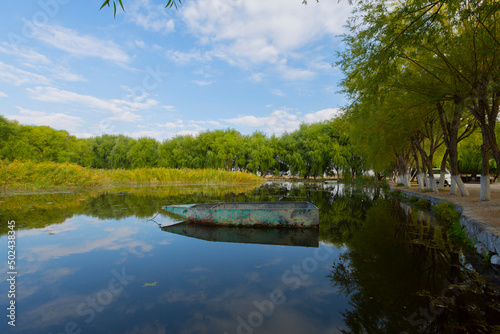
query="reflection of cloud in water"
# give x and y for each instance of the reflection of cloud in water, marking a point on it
(254, 277)
(69, 225)
(156, 328)
(54, 312)
(214, 310)
(29, 284)
(117, 238)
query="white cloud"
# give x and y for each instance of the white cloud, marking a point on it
(25, 53)
(54, 120)
(18, 77)
(2, 94)
(80, 45)
(84, 135)
(256, 77)
(183, 58)
(203, 83)
(281, 121)
(63, 73)
(277, 122)
(140, 44)
(39, 62)
(161, 135)
(277, 92)
(104, 126)
(123, 110)
(330, 90)
(171, 125)
(147, 133)
(212, 123)
(247, 32)
(150, 17)
(193, 133)
(321, 115)
(291, 73)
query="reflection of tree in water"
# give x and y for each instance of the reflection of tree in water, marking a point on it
(435, 292)
(39, 211)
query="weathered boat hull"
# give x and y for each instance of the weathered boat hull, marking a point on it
(267, 214)
(304, 237)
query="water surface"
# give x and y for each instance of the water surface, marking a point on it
(100, 263)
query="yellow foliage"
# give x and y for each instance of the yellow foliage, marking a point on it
(30, 175)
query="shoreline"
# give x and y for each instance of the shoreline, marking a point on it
(480, 220)
(66, 190)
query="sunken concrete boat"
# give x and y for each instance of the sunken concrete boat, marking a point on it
(262, 214)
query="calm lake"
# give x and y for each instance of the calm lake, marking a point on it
(99, 262)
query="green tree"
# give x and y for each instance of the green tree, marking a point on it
(118, 156)
(144, 153)
(102, 147)
(447, 48)
(262, 154)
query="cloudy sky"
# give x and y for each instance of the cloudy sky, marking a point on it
(213, 64)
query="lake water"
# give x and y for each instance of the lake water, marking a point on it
(100, 263)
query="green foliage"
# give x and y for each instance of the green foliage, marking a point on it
(143, 153)
(48, 175)
(422, 204)
(30, 175)
(313, 150)
(398, 194)
(446, 211)
(322, 148)
(410, 67)
(169, 176)
(169, 4)
(40, 143)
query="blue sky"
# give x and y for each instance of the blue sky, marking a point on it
(213, 64)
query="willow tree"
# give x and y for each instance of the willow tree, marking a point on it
(459, 40)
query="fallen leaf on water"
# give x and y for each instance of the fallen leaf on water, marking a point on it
(149, 284)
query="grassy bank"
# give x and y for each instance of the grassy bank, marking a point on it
(31, 176)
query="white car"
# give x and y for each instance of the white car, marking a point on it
(437, 176)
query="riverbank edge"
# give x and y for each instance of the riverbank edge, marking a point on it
(75, 190)
(476, 230)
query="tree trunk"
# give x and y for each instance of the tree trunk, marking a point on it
(420, 174)
(443, 171)
(485, 173)
(451, 139)
(403, 167)
(486, 110)
(430, 182)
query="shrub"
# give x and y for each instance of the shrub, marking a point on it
(447, 212)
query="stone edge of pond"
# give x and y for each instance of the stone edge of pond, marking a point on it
(481, 232)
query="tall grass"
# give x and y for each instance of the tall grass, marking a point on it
(167, 175)
(46, 175)
(31, 176)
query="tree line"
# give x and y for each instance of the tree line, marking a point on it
(421, 77)
(314, 150)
